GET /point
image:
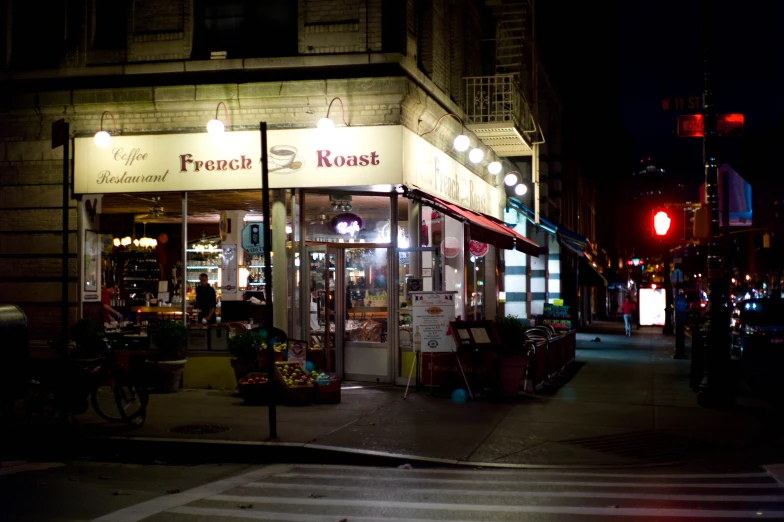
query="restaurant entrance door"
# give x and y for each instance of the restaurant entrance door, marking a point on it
(352, 284)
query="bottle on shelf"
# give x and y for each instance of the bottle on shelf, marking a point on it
(417, 340)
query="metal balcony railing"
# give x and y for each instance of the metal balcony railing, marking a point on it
(496, 99)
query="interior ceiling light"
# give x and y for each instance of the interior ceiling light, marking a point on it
(520, 189)
(476, 155)
(494, 167)
(510, 179)
(326, 123)
(216, 126)
(103, 138)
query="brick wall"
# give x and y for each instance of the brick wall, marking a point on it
(339, 26)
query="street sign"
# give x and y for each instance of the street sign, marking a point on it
(682, 103)
(693, 125)
(252, 239)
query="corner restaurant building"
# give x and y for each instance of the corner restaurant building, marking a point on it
(414, 211)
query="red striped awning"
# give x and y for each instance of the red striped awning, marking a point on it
(482, 227)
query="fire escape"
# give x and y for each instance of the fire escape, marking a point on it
(496, 106)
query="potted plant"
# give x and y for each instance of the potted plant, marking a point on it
(170, 339)
(513, 356)
(89, 337)
(245, 348)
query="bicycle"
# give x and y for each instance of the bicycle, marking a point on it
(117, 393)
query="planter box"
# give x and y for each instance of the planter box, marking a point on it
(511, 370)
(165, 376)
(328, 392)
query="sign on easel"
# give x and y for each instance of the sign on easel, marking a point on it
(431, 313)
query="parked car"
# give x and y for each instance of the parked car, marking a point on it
(757, 327)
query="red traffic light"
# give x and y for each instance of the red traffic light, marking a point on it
(666, 224)
(661, 223)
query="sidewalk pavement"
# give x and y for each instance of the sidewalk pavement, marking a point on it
(623, 402)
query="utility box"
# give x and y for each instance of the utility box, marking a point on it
(219, 337)
(198, 339)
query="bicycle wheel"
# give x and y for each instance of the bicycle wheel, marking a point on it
(131, 401)
(104, 402)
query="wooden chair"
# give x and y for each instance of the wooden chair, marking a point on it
(370, 331)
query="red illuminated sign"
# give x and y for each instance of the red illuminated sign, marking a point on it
(693, 125)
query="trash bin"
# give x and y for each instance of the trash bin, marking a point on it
(15, 354)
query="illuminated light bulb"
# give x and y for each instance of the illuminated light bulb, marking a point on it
(520, 189)
(325, 124)
(476, 155)
(462, 143)
(494, 167)
(102, 139)
(215, 127)
(126, 241)
(116, 241)
(135, 242)
(288, 229)
(510, 179)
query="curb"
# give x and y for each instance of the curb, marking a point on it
(171, 450)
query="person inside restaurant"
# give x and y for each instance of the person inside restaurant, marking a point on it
(107, 292)
(206, 300)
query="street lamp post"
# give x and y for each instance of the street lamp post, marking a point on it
(268, 310)
(715, 386)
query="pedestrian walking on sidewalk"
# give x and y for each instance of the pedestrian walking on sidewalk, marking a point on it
(627, 309)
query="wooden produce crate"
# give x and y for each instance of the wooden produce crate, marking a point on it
(252, 391)
(328, 392)
(293, 393)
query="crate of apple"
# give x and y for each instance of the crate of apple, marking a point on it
(292, 375)
(254, 388)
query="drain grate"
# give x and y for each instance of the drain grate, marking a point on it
(646, 446)
(199, 429)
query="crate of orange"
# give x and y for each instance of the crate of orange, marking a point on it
(297, 385)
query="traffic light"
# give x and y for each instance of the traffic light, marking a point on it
(667, 224)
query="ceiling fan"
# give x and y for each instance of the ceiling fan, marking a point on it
(156, 212)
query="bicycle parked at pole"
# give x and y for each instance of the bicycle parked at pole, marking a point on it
(114, 387)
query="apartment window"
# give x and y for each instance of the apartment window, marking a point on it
(37, 34)
(110, 26)
(245, 29)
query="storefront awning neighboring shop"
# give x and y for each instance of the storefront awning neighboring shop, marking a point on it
(588, 275)
(483, 228)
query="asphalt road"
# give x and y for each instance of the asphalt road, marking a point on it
(114, 492)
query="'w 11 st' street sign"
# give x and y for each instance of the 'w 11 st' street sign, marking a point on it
(693, 125)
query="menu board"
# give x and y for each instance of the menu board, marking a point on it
(432, 312)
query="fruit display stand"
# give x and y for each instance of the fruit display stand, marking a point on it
(280, 354)
(315, 355)
(254, 388)
(296, 384)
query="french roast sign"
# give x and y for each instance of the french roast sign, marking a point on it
(231, 161)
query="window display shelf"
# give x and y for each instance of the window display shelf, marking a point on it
(214, 250)
(200, 267)
(208, 280)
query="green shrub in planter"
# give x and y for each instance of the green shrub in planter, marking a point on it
(89, 337)
(170, 339)
(245, 346)
(511, 330)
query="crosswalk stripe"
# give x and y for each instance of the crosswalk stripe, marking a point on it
(495, 493)
(548, 472)
(561, 510)
(744, 485)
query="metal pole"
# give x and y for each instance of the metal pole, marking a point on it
(66, 188)
(185, 258)
(268, 313)
(714, 388)
(668, 302)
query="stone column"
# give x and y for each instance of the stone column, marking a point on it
(280, 281)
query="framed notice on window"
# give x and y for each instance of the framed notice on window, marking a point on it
(90, 261)
(475, 333)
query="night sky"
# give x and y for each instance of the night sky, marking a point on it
(614, 61)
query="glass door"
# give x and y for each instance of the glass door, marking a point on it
(364, 301)
(321, 318)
